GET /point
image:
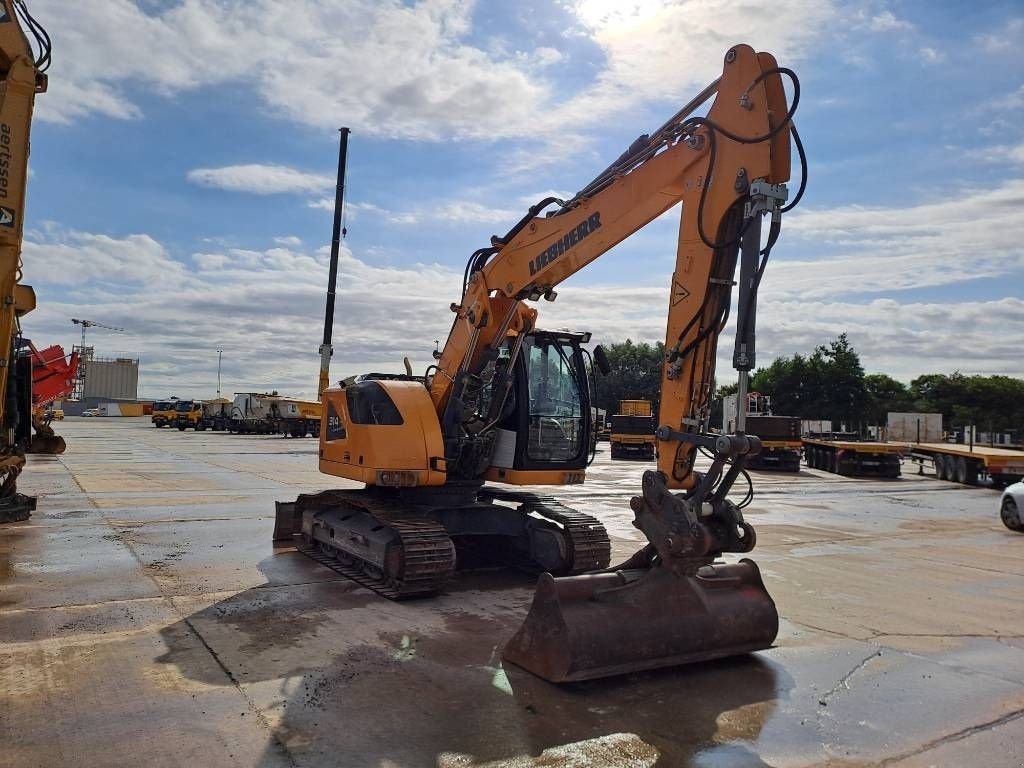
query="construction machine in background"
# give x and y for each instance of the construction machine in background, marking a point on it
(509, 404)
(632, 431)
(780, 435)
(23, 68)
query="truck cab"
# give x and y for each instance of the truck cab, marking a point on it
(187, 413)
(164, 414)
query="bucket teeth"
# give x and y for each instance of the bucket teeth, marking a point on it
(599, 625)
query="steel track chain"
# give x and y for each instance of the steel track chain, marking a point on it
(587, 537)
(429, 553)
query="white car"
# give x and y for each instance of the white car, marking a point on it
(1011, 507)
(92, 412)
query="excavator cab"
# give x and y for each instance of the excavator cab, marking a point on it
(545, 421)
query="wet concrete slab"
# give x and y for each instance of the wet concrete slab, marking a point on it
(146, 618)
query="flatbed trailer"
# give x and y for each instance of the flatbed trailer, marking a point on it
(853, 458)
(966, 464)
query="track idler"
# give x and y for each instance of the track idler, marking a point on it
(670, 604)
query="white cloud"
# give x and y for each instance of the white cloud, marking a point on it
(81, 258)
(260, 179)
(289, 241)
(1008, 38)
(398, 69)
(931, 55)
(665, 50)
(1008, 103)
(445, 212)
(973, 234)
(998, 153)
(887, 22)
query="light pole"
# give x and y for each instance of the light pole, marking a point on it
(219, 353)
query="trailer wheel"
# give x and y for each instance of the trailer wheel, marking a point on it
(960, 470)
(972, 473)
(1010, 515)
(940, 466)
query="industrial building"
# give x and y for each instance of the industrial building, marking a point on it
(103, 380)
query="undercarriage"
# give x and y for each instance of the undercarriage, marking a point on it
(406, 543)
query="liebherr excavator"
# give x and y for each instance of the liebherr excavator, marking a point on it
(509, 404)
(22, 76)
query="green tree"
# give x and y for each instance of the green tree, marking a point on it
(827, 385)
(635, 374)
(885, 394)
(844, 394)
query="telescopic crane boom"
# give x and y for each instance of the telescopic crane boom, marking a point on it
(508, 403)
(22, 76)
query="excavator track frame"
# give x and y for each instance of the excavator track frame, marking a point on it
(426, 544)
(587, 537)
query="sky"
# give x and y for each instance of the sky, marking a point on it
(183, 168)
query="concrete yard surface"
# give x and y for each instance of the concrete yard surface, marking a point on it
(147, 620)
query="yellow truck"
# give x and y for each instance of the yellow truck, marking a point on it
(164, 414)
(187, 414)
(632, 430)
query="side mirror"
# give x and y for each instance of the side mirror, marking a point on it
(602, 360)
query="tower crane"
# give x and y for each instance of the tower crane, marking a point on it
(92, 324)
(85, 354)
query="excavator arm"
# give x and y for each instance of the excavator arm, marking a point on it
(726, 169)
(671, 602)
(22, 76)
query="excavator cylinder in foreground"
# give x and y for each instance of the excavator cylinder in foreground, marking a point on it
(598, 625)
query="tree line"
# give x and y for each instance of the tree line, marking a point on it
(830, 384)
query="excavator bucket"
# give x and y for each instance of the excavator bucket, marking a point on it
(44, 440)
(47, 444)
(604, 624)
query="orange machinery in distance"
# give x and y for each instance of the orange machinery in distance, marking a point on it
(509, 404)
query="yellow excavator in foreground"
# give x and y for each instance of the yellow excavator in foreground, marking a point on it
(22, 76)
(509, 404)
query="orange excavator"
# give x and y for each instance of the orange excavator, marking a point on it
(23, 68)
(508, 404)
